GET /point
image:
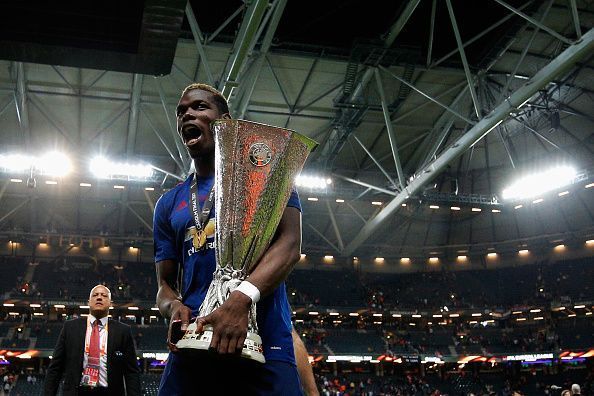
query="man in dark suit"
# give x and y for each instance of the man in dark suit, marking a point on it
(94, 355)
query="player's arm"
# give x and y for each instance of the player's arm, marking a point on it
(167, 267)
(282, 255)
(169, 299)
(306, 375)
(230, 320)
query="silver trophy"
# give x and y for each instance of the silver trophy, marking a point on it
(256, 165)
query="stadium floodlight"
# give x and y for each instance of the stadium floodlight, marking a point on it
(54, 163)
(538, 183)
(15, 162)
(105, 169)
(313, 182)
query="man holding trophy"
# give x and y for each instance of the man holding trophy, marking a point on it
(225, 240)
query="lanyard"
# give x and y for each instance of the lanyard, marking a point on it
(200, 216)
(103, 347)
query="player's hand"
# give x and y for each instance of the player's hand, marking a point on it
(229, 323)
(180, 319)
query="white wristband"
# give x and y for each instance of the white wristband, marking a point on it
(249, 290)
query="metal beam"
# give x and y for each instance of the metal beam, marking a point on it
(13, 210)
(506, 147)
(56, 124)
(99, 77)
(259, 62)
(149, 201)
(402, 19)
(180, 178)
(59, 73)
(538, 134)
(244, 42)
(133, 118)
(364, 184)
(347, 118)
(469, 76)
(376, 162)
(278, 83)
(478, 36)
(3, 190)
(162, 140)
(222, 26)
(557, 66)
(363, 219)
(448, 108)
(335, 226)
(405, 145)
(3, 108)
(431, 144)
(21, 102)
(389, 128)
(535, 22)
(576, 19)
(321, 235)
(181, 151)
(198, 40)
(143, 221)
(107, 124)
(525, 51)
(303, 85)
(431, 32)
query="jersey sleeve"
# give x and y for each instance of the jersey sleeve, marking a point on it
(163, 234)
(294, 201)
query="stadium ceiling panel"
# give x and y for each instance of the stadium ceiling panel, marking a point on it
(420, 107)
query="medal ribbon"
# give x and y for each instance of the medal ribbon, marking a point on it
(200, 216)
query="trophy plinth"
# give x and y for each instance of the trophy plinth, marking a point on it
(255, 167)
(252, 346)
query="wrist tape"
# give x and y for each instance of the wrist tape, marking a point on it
(249, 290)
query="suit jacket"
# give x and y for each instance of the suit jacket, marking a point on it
(67, 360)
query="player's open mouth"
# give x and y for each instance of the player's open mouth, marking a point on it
(191, 134)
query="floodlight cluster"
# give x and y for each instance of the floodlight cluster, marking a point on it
(105, 169)
(539, 183)
(52, 163)
(313, 182)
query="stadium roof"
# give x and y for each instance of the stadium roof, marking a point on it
(101, 80)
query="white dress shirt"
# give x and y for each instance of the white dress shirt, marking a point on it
(103, 349)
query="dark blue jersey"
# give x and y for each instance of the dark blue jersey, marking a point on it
(173, 226)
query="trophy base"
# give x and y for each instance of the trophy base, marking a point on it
(252, 346)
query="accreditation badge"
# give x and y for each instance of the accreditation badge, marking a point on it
(90, 376)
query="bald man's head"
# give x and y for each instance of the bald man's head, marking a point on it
(99, 301)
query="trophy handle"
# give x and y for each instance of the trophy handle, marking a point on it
(176, 332)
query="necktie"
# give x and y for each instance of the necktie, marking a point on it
(94, 345)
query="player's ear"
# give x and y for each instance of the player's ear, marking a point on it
(226, 116)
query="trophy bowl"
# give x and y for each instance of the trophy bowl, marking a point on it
(255, 167)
